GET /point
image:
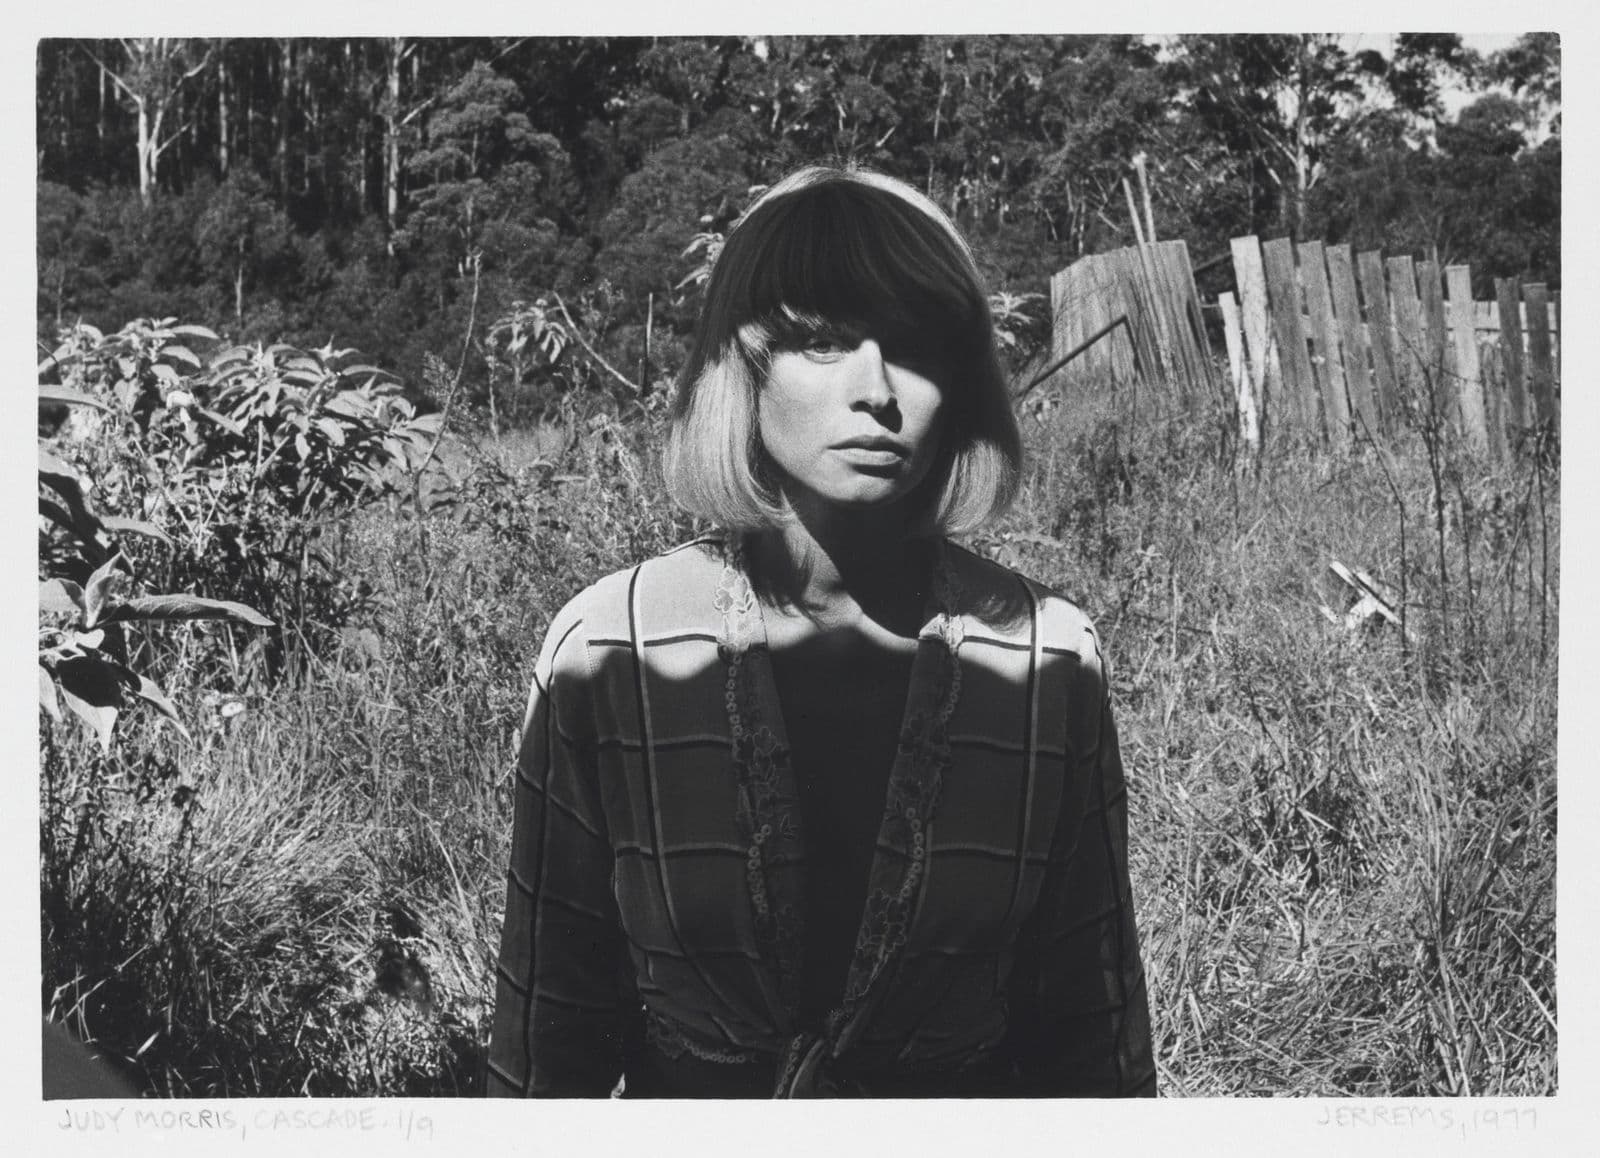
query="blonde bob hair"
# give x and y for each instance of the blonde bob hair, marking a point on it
(841, 251)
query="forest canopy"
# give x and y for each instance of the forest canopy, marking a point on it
(379, 192)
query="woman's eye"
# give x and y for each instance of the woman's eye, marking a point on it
(824, 347)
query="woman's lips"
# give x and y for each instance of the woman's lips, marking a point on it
(874, 444)
(873, 454)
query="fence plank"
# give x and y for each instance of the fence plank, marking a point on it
(1411, 348)
(1435, 338)
(1090, 300)
(1555, 333)
(1146, 271)
(1327, 359)
(1244, 391)
(1084, 297)
(1468, 380)
(1124, 265)
(1283, 294)
(1067, 320)
(1513, 369)
(1117, 359)
(1265, 379)
(1352, 338)
(1541, 370)
(1180, 274)
(1062, 319)
(1491, 371)
(1380, 336)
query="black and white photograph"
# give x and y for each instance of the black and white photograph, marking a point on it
(836, 565)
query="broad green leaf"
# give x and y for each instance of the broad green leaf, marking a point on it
(101, 720)
(51, 467)
(92, 688)
(57, 515)
(228, 367)
(349, 404)
(182, 354)
(69, 397)
(302, 447)
(122, 523)
(227, 424)
(97, 590)
(331, 430)
(196, 332)
(78, 517)
(60, 597)
(365, 371)
(48, 700)
(184, 607)
(147, 690)
(165, 373)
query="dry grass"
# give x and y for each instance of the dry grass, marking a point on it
(1344, 847)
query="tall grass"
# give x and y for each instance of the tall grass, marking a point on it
(1344, 840)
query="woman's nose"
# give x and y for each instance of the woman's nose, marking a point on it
(869, 377)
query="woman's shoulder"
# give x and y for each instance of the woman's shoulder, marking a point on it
(688, 572)
(1021, 610)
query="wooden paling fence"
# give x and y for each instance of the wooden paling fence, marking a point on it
(1321, 343)
(1150, 288)
(1327, 345)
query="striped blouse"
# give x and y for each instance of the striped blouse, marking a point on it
(653, 934)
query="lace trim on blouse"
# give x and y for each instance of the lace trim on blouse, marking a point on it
(769, 824)
(913, 799)
(768, 810)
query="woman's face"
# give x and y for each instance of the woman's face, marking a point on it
(848, 425)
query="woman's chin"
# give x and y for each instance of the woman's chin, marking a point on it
(872, 496)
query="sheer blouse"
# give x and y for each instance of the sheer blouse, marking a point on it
(653, 935)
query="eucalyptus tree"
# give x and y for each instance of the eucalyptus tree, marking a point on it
(150, 75)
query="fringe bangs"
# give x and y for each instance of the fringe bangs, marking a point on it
(841, 253)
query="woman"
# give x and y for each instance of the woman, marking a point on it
(822, 804)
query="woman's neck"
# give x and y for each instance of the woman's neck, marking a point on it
(836, 566)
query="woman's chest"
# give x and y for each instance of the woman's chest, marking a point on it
(824, 729)
(842, 702)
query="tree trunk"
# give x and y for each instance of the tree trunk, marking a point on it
(284, 76)
(308, 101)
(246, 142)
(938, 117)
(66, 102)
(222, 116)
(1301, 144)
(147, 155)
(238, 288)
(391, 138)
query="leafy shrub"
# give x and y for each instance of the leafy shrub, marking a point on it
(238, 465)
(82, 644)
